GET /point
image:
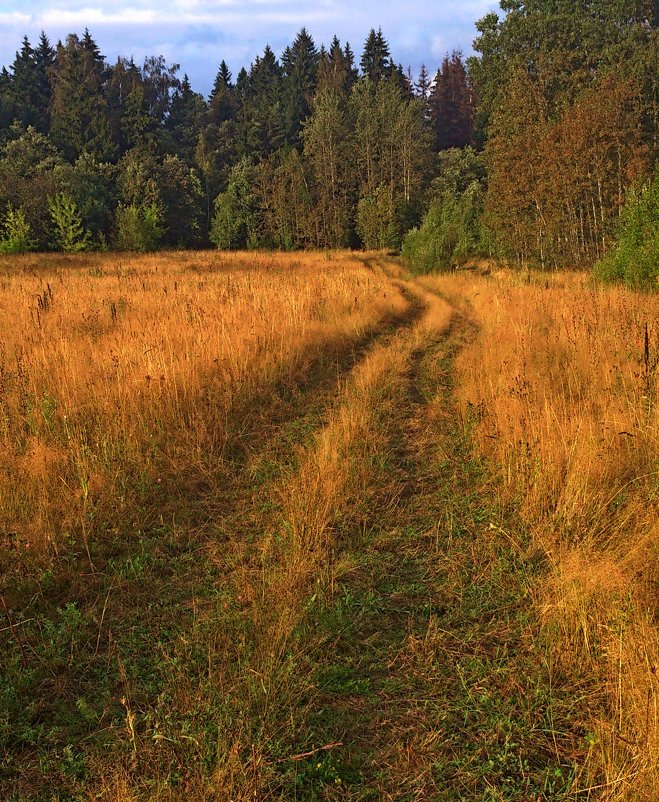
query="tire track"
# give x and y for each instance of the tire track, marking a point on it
(420, 673)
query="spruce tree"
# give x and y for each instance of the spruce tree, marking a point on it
(186, 118)
(80, 114)
(222, 101)
(376, 59)
(300, 68)
(451, 105)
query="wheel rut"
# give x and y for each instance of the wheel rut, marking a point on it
(421, 658)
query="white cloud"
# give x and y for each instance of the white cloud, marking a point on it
(200, 33)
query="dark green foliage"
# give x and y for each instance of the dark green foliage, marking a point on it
(634, 259)
(452, 229)
(185, 121)
(309, 151)
(376, 60)
(235, 222)
(29, 174)
(260, 122)
(181, 195)
(451, 104)
(450, 232)
(222, 101)
(300, 66)
(132, 124)
(80, 113)
(567, 43)
(91, 184)
(28, 88)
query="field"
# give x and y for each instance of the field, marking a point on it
(305, 527)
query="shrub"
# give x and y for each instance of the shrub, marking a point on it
(69, 234)
(138, 228)
(376, 221)
(235, 224)
(634, 259)
(451, 231)
(16, 232)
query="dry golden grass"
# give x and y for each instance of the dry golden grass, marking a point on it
(230, 427)
(561, 383)
(119, 373)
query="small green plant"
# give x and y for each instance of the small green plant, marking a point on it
(377, 225)
(451, 231)
(139, 228)
(69, 234)
(16, 232)
(634, 259)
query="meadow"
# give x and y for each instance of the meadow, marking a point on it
(302, 526)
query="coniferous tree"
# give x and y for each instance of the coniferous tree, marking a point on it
(132, 125)
(80, 118)
(336, 69)
(29, 174)
(222, 101)
(451, 105)
(300, 71)
(6, 104)
(186, 119)
(376, 61)
(422, 90)
(260, 124)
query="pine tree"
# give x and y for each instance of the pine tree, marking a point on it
(451, 105)
(376, 59)
(222, 101)
(80, 118)
(300, 69)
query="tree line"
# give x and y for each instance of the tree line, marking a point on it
(533, 150)
(309, 150)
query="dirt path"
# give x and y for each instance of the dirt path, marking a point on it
(345, 621)
(421, 682)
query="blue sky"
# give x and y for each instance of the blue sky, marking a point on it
(198, 34)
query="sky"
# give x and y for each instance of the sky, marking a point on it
(198, 34)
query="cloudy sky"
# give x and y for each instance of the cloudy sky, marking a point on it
(198, 34)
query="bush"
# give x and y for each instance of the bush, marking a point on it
(236, 220)
(634, 259)
(70, 236)
(451, 231)
(376, 221)
(16, 233)
(139, 228)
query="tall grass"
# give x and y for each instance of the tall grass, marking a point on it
(123, 378)
(560, 387)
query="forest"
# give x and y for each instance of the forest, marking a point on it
(540, 149)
